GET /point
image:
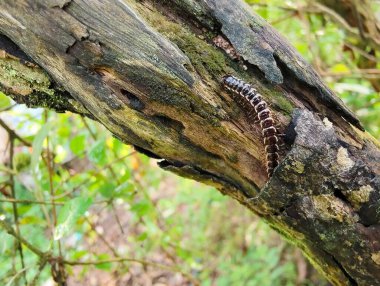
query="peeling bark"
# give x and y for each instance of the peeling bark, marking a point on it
(150, 72)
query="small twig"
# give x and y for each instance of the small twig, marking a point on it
(287, 16)
(94, 174)
(361, 73)
(102, 238)
(13, 134)
(339, 20)
(9, 229)
(37, 276)
(7, 170)
(51, 187)
(22, 271)
(143, 262)
(363, 53)
(114, 211)
(317, 8)
(14, 205)
(93, 135)
(18, 201)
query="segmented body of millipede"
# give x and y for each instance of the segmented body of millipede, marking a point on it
(263, 114)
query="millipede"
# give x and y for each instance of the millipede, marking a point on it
(262, 113)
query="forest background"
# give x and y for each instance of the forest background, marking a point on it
(117, 219)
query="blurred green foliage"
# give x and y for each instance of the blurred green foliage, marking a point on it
(112, 203)
(335, 55)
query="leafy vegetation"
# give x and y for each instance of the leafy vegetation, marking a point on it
(73, 191)
(112, 203)
(347, 63)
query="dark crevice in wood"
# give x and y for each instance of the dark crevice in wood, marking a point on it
(194, 172)
(339, 194)
(166, 163)
(221, 179)
(169, 122)
(344, 271)
(11, 48)
(290, 133)
(286, 209)
(59, 103)
(61, 4)
(147, 152)
(66, 4)
(248, 66)
(134, 102)
(73, 46)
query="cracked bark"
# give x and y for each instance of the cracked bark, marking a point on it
(150, 72)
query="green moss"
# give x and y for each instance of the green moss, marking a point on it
(293, 168)
(287, 232)
(29, 84)
(282, 102)
(22, 79)
(359, 197)
(376, 257)
(331, 208)
(298, 167)
(205, 58)
(44, 100)
(233, 158)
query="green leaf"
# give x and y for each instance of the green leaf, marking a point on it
(142, 207)
(340, 68)
(69, 214)
(97, 153)
(78, 144)
(142, 236)
(106, 265)
(38, 145)
(124, 189)
(4, 101)
(107, 190)
(78, 254)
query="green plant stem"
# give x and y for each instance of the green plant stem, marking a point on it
(13, 134)
(14, 205)
(9, 229)
(143, 262)
(16, 201)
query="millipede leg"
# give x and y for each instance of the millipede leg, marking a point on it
(256, 119)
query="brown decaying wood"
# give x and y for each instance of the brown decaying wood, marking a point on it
(148, 71)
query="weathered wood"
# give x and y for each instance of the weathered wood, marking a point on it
(150, 73)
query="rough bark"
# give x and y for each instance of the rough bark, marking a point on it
(150, 72)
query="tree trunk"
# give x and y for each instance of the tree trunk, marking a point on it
(150, 72)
